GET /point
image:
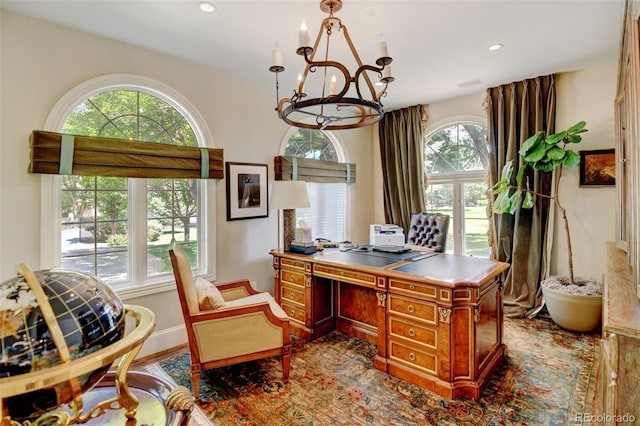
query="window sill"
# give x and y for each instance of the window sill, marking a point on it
(132, 291)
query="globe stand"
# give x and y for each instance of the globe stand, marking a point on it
(70, 370)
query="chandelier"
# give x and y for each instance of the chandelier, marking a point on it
(342, 101)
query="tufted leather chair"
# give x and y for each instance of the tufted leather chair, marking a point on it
(428, 232)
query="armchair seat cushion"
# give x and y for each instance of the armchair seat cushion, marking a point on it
(258, 298)
(209, 297)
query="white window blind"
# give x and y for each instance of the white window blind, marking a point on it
(327, 215)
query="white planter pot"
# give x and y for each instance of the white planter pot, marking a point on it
(574, 312)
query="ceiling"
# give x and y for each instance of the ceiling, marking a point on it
(439, 47)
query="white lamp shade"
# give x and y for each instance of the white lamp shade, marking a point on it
(289, 194)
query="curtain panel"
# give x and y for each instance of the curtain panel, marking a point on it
(516, 111)
(403, 177)
(57, 153)
(309, 170)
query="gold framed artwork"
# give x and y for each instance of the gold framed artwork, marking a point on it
(246, 190)
(598, 167)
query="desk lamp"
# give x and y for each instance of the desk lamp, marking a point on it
(288, 195)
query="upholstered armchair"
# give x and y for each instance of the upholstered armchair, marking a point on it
(428, 232)
(228, 323)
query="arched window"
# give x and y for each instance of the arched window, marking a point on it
(456, 161)
(328, 212)
(119, 228)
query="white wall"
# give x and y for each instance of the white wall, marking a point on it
(41, 62)
(586, 95)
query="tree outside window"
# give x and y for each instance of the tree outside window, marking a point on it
(110, 225)
(456, 161)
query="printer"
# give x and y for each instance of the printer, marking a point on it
(386, 235)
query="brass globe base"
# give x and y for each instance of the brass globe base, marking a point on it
(127, 348)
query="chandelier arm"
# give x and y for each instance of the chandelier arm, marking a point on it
(333, 64)
(361, 70)
(357, 58)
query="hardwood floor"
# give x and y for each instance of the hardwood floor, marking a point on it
(151, 359)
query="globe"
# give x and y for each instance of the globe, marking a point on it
(90, 316)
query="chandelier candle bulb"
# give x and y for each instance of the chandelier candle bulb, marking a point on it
(277, 56)
(383, 49)
(333, 88)
(386, 72)
(303, 36)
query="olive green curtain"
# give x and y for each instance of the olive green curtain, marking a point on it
(403, 177)
(516, 111)
(63, 154)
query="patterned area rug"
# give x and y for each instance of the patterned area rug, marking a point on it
(548, 378)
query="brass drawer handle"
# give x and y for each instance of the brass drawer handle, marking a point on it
(412, 287)
(342, 273)
(292, 314)
(412, 332)
(292, 296)
(293, 279)
(412, 356)
(410, 309)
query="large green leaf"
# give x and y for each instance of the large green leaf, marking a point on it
(574, 138)
(556, 153)
(555, 138)
(544, 166)
(537, 153)
(530, 143)
(571, 159)
(529, 200)
(502, 203)
(577, 128)
(507, 171)
(515, 201)
(519, 175)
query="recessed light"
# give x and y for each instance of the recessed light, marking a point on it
(495, 46)
(207, 7)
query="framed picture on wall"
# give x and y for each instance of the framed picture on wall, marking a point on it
(598, 167)
(246, 190)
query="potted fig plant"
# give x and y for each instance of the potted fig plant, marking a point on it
(573, 302)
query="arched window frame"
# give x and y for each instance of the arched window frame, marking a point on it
(342, 157)
(50, 184)
(455, 178)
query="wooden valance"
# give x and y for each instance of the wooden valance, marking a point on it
(294, 168)
(58, 153)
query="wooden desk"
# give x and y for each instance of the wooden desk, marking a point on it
(437, 322)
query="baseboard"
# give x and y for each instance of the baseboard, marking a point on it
(162, 340)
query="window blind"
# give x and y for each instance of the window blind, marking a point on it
(320, 171)
(327, 215)
(58, 153)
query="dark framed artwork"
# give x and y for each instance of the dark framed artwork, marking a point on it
(246, 190)
(598, 167)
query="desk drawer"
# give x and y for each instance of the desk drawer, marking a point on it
(414, 309)
(292, 277)
(423, 335)
(422, 291)
(345, 275)
(289, 263)
(427, 362)
(292, 293)
(295, 313)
